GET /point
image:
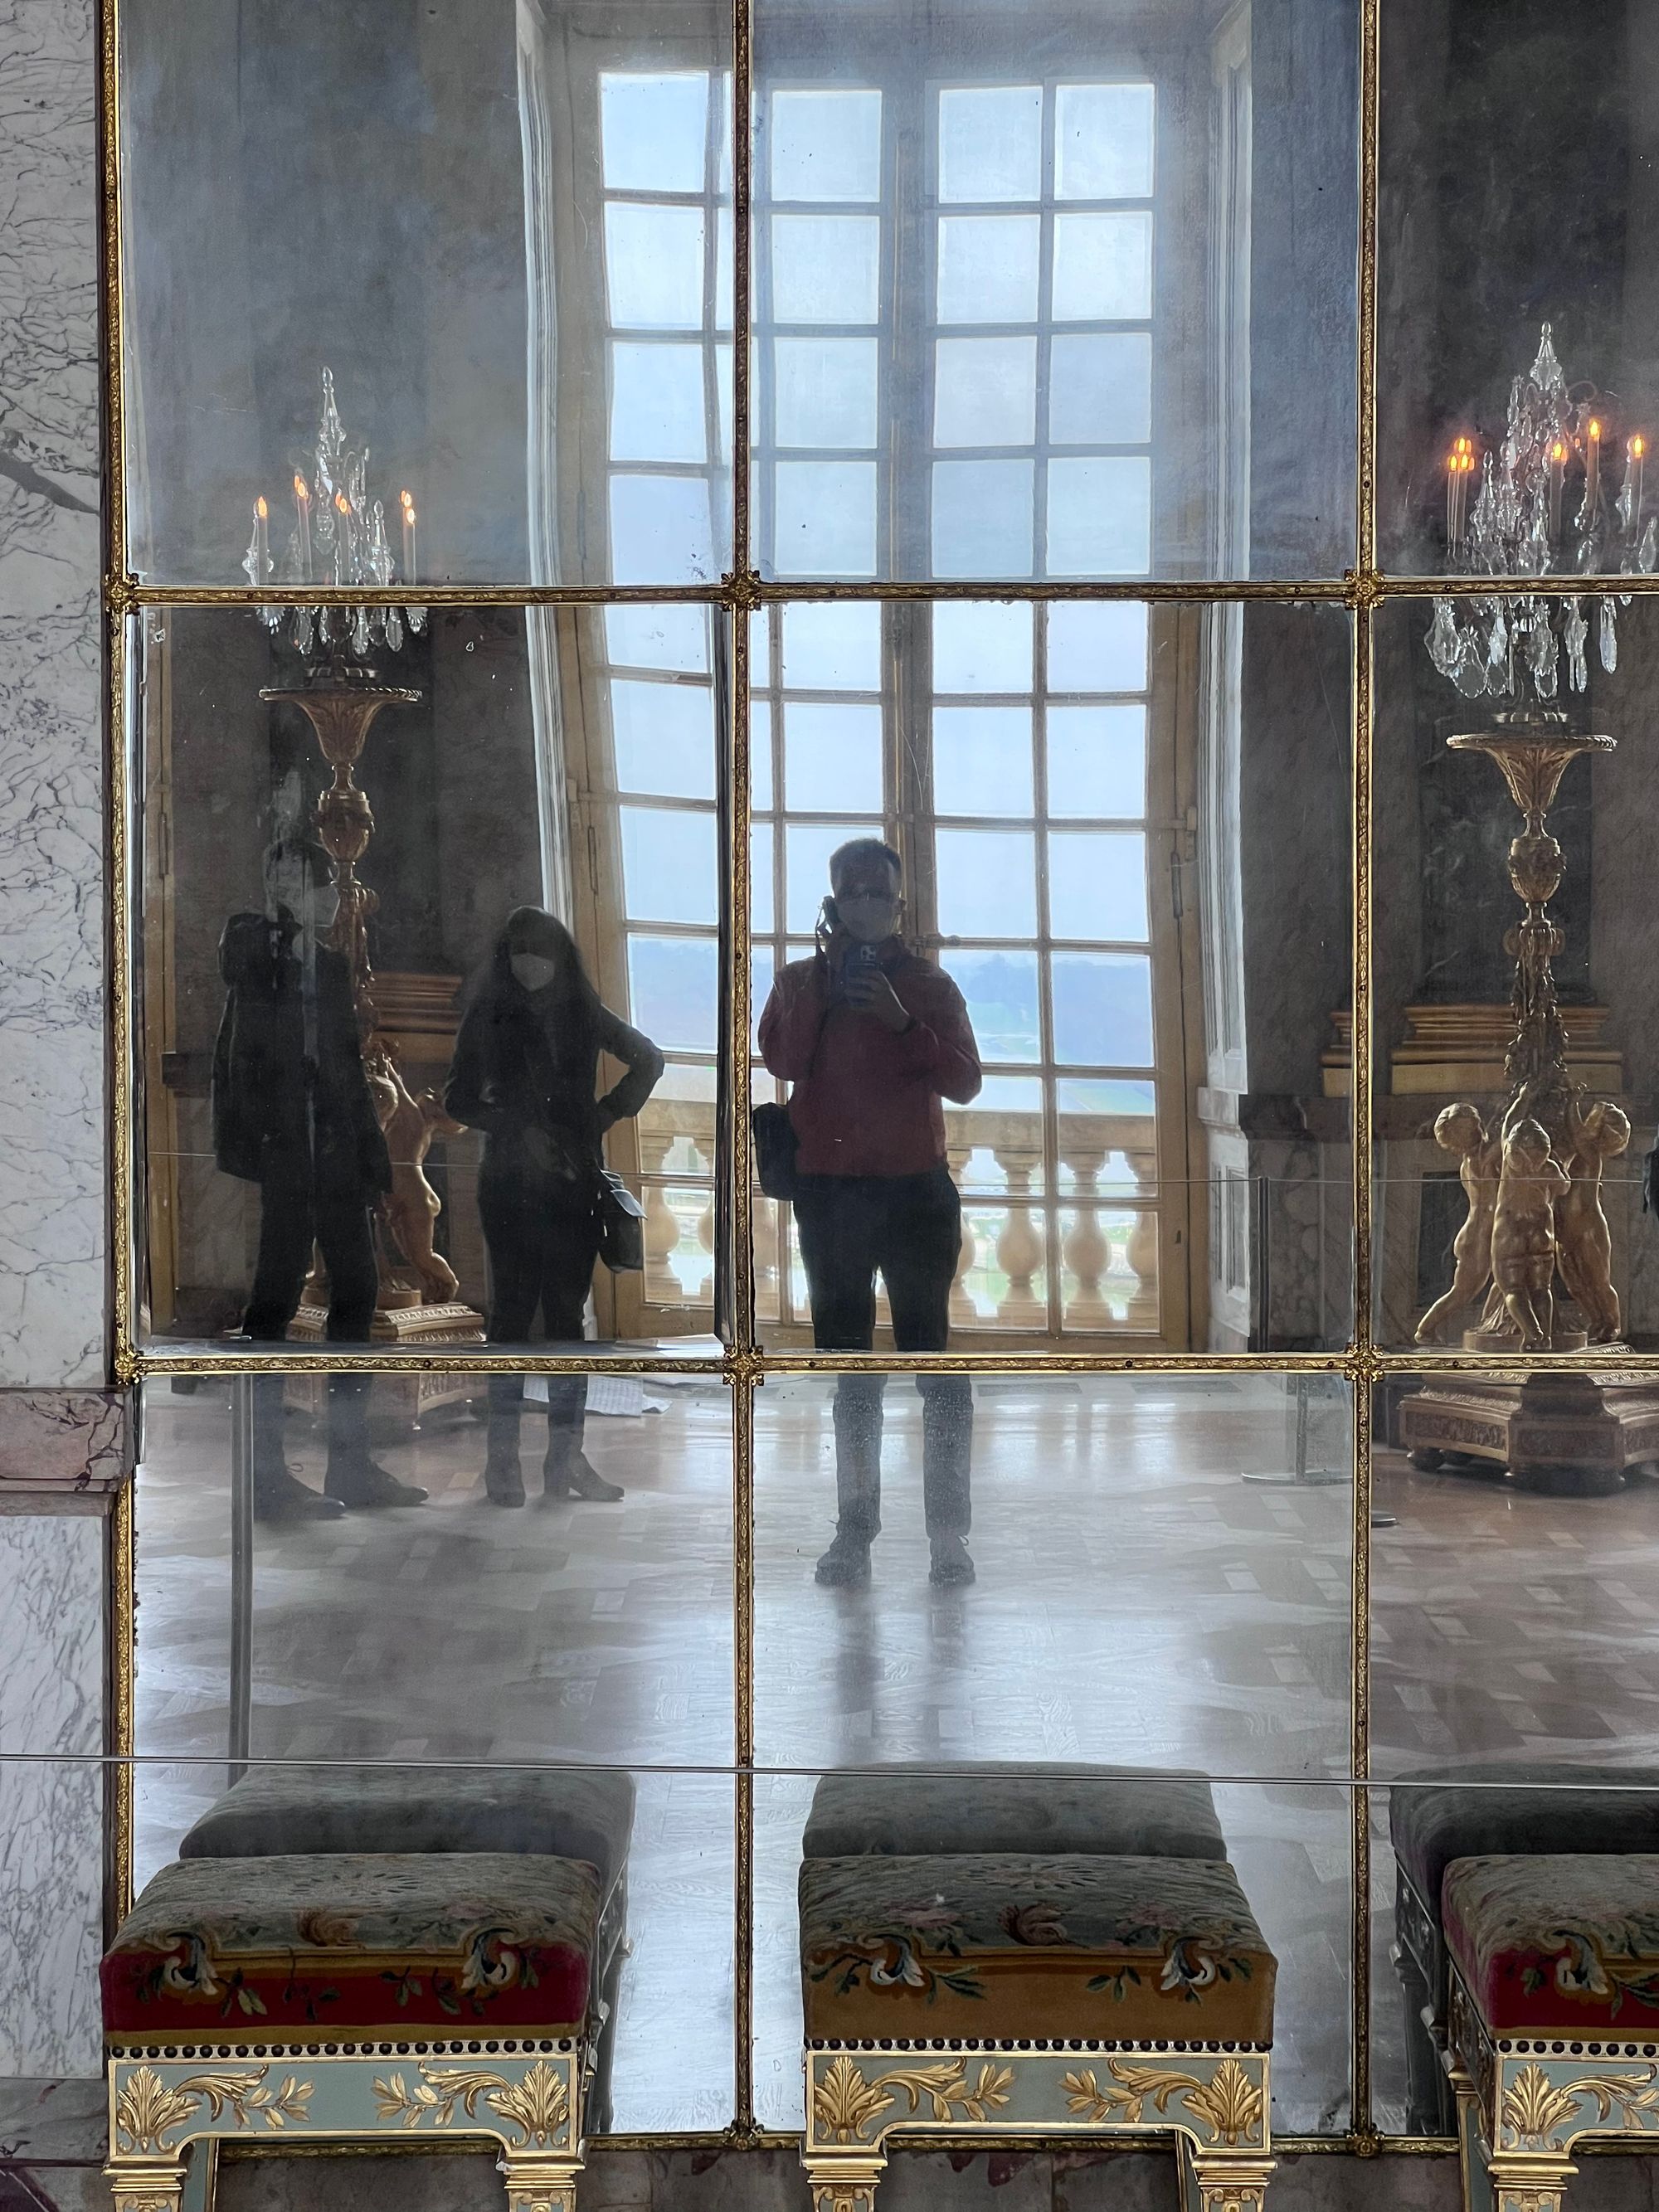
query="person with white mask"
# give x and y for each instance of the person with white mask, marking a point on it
(872, 1039)
(293, 1112)
(525, 1073)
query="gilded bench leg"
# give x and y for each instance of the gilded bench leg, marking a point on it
(539, 2184)
(146, 2185)
(1222, 2181)
(1527, 2182)
(843, 2185)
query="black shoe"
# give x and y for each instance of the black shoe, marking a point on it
(279, 1497)
(846, 1564)
(365, 1485)
(951, 1564)
(579, 1479)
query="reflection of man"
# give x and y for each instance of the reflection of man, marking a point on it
(872, 1039)
(292, 1111)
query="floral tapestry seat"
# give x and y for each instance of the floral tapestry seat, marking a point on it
(1050, 1993)
(352, 1994)
(1555, 2012)
(1434, 1817)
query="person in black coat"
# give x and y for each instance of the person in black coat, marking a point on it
(293, 1112)
(525, 1072)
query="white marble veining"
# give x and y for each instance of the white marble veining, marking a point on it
(52, 1008)
(52, 1635)
(52, 1859)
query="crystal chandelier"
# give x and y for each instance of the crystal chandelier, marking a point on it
(339, 536)
(1542, 509)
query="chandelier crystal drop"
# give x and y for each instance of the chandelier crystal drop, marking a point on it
(1541, 509)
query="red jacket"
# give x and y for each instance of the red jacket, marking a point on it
(865, 1101)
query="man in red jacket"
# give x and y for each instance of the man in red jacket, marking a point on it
(872, 1039)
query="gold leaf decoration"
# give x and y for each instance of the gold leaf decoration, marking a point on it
(946, 2090)
(538, 2105)
(147, 2108)
(1229, 2104)
(1084, 2097)
(1535, 2109)
(844, 2104)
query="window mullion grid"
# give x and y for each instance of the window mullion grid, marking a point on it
(714, 421)
(1045, 340)
(1045, 981)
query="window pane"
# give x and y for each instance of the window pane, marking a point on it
(987, 268)
(832, 757)
(826, 268)
(1103, 1009)
(832, 648)
(760, 650)
(806, 849)
(982, 518)
(659, 530)
(1103, 267)
(763, 971)
(668, 865)
(826, 391)
(826, 145)
(653, 131)
(1104, 1094)
(657, 637)
(1097, 648)
(657, 411)
(987, 883)
(653, 267)
(760, 755)
(673, 987)
(826, 518)
(985, 391)
(1097, 761)
(1100, 516)
(1001, 991)
(990, 143)
(1100, 389)
(981, 645)
(761, 902)
(982, 760)
(1097, 883)
(664, 738)
(1103, 142)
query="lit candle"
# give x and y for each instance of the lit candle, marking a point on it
(1638, 447)
(1592, 467)
(408, 536)
(302, 524)
(261, 538)
(1454, 480)
(1558, 467)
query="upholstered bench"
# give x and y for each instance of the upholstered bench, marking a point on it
(1015, 1992)
(562, 1812)
(1432, 1819)
(1554, 2015)
(992, 1807)
(351, 1996)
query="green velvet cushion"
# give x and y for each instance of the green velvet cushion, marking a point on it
(1015, 1947)
(274, 1811)
(352, 1946)
(1005, 1807)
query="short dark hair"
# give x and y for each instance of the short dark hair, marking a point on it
(862, 848)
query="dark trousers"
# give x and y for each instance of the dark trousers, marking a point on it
(542, 1253)
(908, 1230)
(298, 1208)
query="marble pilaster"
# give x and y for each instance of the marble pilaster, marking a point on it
(51, 996)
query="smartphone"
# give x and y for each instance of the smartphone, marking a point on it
(863, 959)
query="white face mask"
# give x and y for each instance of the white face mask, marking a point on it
(532, 972)
(870, 917)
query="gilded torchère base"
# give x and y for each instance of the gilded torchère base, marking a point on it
(1571, 1435)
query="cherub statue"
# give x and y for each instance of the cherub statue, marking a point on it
(1523, 1248)
(411, 1209)
(1461, 1130)
(1600, 1131)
